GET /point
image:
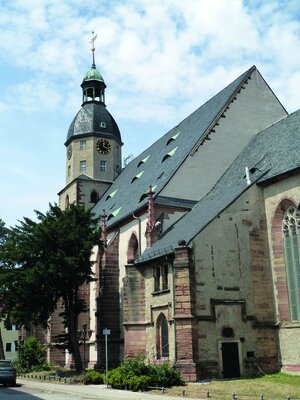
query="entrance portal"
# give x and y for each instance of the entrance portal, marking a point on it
(230, 360)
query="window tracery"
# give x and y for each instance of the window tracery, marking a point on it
(291, 227)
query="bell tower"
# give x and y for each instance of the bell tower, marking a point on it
(93, 145)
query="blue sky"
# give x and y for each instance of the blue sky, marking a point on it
(160, 61)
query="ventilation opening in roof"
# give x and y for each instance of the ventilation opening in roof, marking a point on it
(170, 154)
(111, 195)
(143, 161)
(114, 213)
(173, 138)
(137, 176)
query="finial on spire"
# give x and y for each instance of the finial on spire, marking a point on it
(94, 37)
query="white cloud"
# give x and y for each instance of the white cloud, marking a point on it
(160, 50)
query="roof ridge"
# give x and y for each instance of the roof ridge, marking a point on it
(246, 76)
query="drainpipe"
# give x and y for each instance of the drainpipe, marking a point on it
(139, 232)
(174, 320)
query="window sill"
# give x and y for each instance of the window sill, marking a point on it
(159, 292)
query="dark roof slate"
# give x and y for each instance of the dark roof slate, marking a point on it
(148, 168)
(272, 152)
(87, 122)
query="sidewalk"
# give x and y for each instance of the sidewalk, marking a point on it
(94, 391)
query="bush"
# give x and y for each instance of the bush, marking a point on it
(93, 377)
(166, 376)
(135, 374)
(31, 356)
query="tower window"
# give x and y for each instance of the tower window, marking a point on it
(69, 170)
(82, 166)
(94, 197)
(103, 165)
(82, 144)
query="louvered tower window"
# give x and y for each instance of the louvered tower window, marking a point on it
(291, 226)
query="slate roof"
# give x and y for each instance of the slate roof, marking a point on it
(156, 165)
(87, 122)
(269, 154)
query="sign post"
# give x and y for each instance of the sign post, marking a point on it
(106, 332)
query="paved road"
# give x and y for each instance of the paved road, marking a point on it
(35, 390)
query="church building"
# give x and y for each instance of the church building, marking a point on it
(200, 258)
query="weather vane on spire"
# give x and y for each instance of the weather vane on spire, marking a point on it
(94, 37)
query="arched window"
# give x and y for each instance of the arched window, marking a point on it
(291, 226)
(94, 197)
(67, 202)
(133, 248)
(162, 337)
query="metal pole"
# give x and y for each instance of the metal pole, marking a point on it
(106, 361)
(84, 354)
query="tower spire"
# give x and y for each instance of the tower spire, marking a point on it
(94, 37)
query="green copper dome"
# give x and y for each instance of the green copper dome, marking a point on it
(93, 75)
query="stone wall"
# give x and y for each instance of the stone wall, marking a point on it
(278, 197)
(108, 305)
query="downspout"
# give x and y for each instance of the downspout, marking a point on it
(174, 320)
(139, 233)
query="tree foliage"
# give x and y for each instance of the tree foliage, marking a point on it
(31, 356)
(3, 231)
(3, 235)
(45, 262)
(135, 374)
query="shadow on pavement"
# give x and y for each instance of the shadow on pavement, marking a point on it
(14, 392)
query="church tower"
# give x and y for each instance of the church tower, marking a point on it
(93, 145)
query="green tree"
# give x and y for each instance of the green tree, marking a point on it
(3, 235)
(3, 232)
(46, 262)
(32, 356)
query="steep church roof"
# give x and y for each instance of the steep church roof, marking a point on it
(156, 165)
(271, 153)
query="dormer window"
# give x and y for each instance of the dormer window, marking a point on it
(103, 125)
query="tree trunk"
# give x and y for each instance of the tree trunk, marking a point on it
(2, 354)
(73, 332)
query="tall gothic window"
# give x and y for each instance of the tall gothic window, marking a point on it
(133, 248)
(291, 226)
(160, 273)
(162, 337)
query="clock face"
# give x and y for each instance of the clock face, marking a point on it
(69, 152)
(103, 146)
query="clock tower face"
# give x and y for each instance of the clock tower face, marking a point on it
(103, 146)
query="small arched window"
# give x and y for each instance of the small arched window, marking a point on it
(162, 337)
(94, 197)
(133, 248)
(291, 226)
(67, 202)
